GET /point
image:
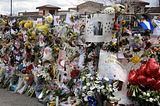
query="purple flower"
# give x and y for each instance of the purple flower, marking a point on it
(40, 88)
(57, 41)
(72, 64)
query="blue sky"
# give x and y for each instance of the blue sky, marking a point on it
(30, 5)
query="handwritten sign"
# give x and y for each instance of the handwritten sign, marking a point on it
(111, 68)
(46, 51)
(77, 26)
(41, 43)
(56, 20)
(61, 59)
(39, 21)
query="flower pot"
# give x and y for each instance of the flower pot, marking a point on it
(57, 100)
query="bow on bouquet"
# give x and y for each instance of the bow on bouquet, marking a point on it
(145, 83)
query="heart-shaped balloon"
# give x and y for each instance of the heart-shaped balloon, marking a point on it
(158, 85)
(151, 82)
(142, 80)
(142, 69)
(152, 67)
(158, 74)
(132, 78)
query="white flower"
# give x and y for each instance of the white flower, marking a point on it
(88, 84)
(148, 94)
(83, 94)
(140, 96)
(134, 94)
(89, 93)
(83, 78)
(97, 82)
(92, 88)
(102, 86)
(115, 89)
(85, 99)
(157, 96)
(88, 75)
(110, 89)
(99, 78)
(144, 93)
(91, 78)
(105, 78)
(109, 85)
(150, 99)
(84, 88)
(103, 90)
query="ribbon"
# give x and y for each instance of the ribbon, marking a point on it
(92, 100)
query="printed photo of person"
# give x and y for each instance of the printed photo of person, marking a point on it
(98, 28)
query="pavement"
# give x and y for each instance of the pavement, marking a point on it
(9, 98)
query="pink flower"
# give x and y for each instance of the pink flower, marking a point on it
(55, 86)
(72, 64)
(58, 88)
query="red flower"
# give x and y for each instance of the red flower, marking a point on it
(129, 94)
(74, 73)
(130, 55)
(30, 67)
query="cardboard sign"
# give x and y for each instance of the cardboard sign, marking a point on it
(99, 28)
(61, 59)
(56, 20)
(111, 68)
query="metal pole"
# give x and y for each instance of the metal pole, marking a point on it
(11, 7)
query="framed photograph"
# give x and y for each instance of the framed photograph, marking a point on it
(155, 39)
(99, 28)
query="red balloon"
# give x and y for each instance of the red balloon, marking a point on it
(158, 85)
(132, 78)
(142, 80)
(151, 82)
(152, 67)
(142, 69)
(158, 74)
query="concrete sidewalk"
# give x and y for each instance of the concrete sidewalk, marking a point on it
(9, 98)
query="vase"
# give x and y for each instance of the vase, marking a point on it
(57, 100)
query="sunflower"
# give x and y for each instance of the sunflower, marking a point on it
(113, 44)
(123, 22)
(124, 41)
(120, 44)
(135, 60)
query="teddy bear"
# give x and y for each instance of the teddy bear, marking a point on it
(118, 7)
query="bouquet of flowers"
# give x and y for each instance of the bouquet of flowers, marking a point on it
(144, 84)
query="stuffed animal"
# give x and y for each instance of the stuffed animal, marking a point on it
(118, 7)
(109, 10)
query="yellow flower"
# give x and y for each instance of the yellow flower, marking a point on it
(57, 48)
(19, 34)
(124, 29)
(38, 25)
(21, 23)
(113, 44)
(72, 68)
(114, 36)
(71, 17)
(123, 22)
(71, 36)
(33, 34)
(135, 60)
(52, 103)
(75, 33)
(32, 41)
(50, 35)
(49, 19)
